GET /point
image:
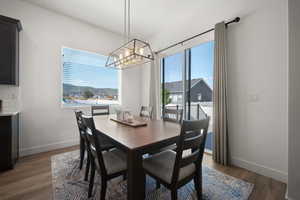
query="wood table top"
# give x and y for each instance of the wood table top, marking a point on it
(137, 137)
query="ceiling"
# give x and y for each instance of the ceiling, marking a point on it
(149, 17)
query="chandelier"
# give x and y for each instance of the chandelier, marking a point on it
(134, 52)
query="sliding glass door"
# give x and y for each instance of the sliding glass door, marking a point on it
(187, 83)
(172, 92)
(201, 76)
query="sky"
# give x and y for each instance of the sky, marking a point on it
(88, 69)
(202, 57)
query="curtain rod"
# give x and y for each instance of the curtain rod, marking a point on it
(236, 20)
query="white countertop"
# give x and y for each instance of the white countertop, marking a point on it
(8, 113)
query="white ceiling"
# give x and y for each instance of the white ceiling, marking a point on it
(149, 17)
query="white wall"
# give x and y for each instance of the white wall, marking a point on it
(258, 86)
(131, 89)
(258, 91)
(294, 100)
(44, 124)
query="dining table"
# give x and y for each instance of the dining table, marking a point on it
(136, 142)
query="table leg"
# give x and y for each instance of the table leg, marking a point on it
(135, 179)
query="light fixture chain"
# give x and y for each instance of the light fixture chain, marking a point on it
(128, 20)
(125, 21)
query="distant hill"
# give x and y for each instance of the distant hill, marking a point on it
(71, 90)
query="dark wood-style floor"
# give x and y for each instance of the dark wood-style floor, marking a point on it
(31, 179)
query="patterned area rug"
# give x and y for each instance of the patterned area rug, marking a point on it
(68, 184)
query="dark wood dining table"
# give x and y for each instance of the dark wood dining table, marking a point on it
(137, 141)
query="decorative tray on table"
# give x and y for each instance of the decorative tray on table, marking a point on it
(135, 122)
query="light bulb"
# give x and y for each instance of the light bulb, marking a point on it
(141, 51)
(127, 52)
(121, 58)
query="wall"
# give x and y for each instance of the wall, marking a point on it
(258, 91)
(44, 124)
(10, 96)
(257, 82)
(131, 89)
(294, 99)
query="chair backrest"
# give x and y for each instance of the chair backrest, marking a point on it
(192, 137)
(80, 124)
(100, 110)
(146, 111)
(93, 142)
(173, 115)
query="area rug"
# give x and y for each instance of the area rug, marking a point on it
(68, 184)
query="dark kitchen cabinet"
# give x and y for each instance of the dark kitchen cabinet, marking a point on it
(9, 50)
(9, 141)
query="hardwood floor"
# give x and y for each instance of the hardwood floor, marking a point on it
(31, 179)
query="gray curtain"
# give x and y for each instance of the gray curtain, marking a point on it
(220, 151)
(154, 96)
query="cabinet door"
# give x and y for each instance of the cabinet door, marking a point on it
(15, 138)
(5, 143)
(8, 42)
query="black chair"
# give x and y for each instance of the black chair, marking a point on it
(170, 115)
(108, 164)
(83, 142)
(173, 115)
(100, 110)
(146, 112)
(174, 170)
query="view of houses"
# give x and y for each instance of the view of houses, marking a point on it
(78, 95)
(201, 101)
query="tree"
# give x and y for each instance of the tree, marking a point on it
(88, 94)
(166, 96)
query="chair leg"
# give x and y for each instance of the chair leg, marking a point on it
(87, 168)
(91, 185)
(174, 194)
(82, 151)
(198, 184)
(103, 188)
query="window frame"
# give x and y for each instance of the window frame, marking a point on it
(66, 106)
(187, 68)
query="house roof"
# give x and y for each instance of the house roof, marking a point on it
(176, 86)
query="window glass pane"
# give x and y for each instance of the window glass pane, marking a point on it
(86, 80)
(202, 57)
(173, 81)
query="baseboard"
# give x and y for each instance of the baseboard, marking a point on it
(260, 169)
(47, 147)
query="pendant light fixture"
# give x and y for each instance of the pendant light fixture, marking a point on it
(134, 52)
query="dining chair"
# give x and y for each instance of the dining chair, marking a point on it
(100, 110)
(146, 112)
(83, 142)
(174, 170)
(108, 164)
(173, 115)
(170, 115)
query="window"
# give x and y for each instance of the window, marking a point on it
(172, 72)
(189, 73)
(86, 80)
(199, 97)
(202, 57)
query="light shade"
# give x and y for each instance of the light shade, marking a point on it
(133, 53)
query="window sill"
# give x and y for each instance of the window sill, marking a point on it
(74, 107)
